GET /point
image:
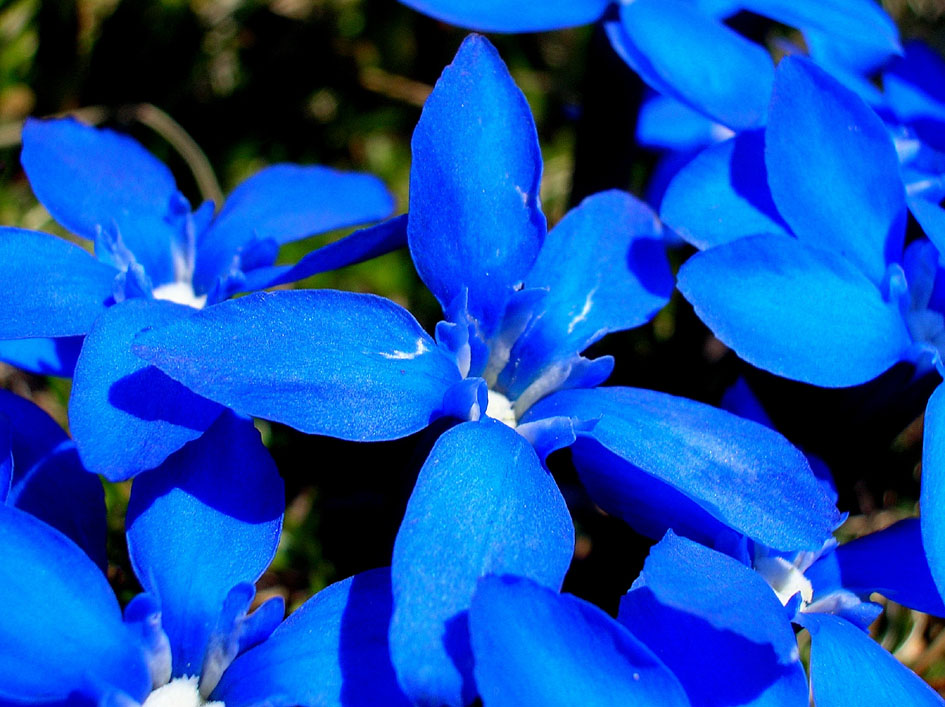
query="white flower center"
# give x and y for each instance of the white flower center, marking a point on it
(181, 692)
(785, 579)
(499, 408)
(181, 293)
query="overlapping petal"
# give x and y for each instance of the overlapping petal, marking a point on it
(482, 505)
(738, 472)
(501, 16)
(535, 646)
(229, 537)
(91, 179)
(732, 78)
(127, 416)
(717, 625)
(723, 194)
(605, 269)
(795, 310)
(284, 203)
(669, 124)
(839, 650)
(331, 651)
(48, 357)
(61, 626)
(932, 498)
(50, 286)
(475, 218)
(833, 169)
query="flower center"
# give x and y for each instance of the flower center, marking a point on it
(785, 578)
(181, 293)
(499, 408)
(181, 692)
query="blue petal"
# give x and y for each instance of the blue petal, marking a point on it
(61, 625)
(839, 652)
(35, 433)
(534, 646)
(717, 625)
(795, 310)
(932, 496)
(891, 562)
(683, 52)
(331, 651)
(833, 169)
(46, 357)
(51, 287)
(722, 194)
(193, 534)
(605, 268)
(475, 218)
(357, 247)
(915, 85)
(91, 179)
(6, 456)
(865, 22)
(668, 124)
(502, 16)
(737, 471)
(931, 218)
(284, 203)
(335, 363)
(483, 504)
(127, 416)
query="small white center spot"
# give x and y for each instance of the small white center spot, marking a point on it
(181, 692)
(499, 408)
(785, 579)
(181, 293)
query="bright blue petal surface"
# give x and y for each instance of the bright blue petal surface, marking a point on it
(90, 179)
(669, 124)
(208, 519)
(47, 357)
(722, 194)
(833, 169)
(932, 496)
(535, 646)
(335, 363)
(931, 217)
(839, 651)
(739, 472)
(795, 310)
(125, 415)
(475, 217)
(58, 490)
(717, 625)
(891, 561)
(61, 625)
(687, 54)
(502, 16)
(482, 505)
(605, 268)
(284, 203)
(331, 651)
(50, 286)
(361, 245)
(860, 20)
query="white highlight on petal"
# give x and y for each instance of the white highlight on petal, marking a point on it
(588, 303)
(407, 355)
(499, 408)
(181, 692)
(785, 578)
(181, 293)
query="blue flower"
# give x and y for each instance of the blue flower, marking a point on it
(156, 261)
(197, 542)
(720, 74)
(717, 624)
(360, 367)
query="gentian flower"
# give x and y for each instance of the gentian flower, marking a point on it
(723, 625)
(520, 305)
(156, 262)
(805, 273)
(197, 542)
(721, 74)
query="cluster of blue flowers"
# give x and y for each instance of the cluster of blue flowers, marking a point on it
(796, 193)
